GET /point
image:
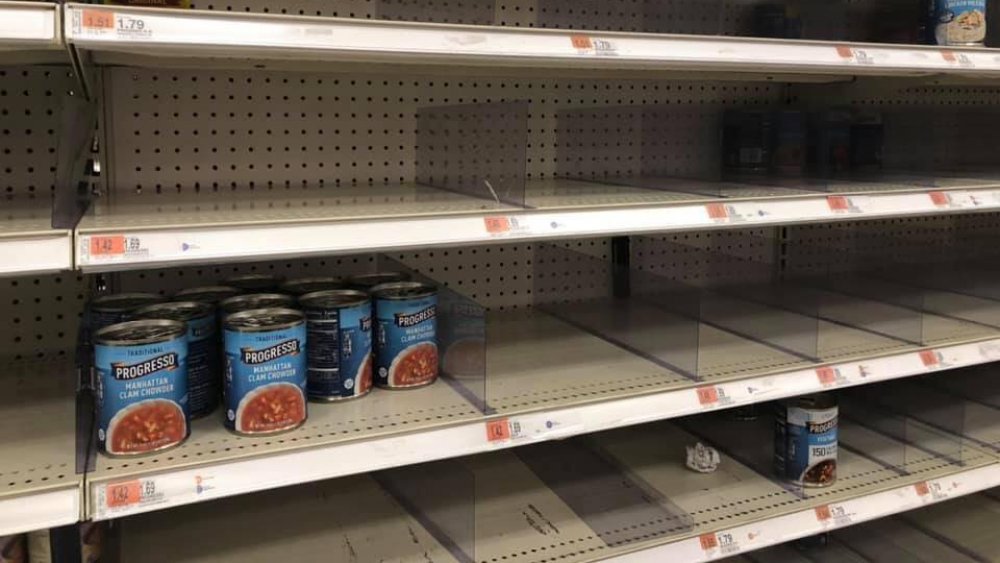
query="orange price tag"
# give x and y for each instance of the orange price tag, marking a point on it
(929, 358)
(122, 494)
(940, 199)
(823, 513)
(838, 203)
(826, 375)
(581, 42)
(922, 488)
(717, 211)
(845, 52)
(497, 430)
(106, 246)
(708, 395)
(948, 56)
(496, 225)
(708, 541)
(97, 19)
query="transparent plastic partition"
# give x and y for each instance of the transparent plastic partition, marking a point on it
(694, 331)
(461, 334)
(479, 150)
(750, 273)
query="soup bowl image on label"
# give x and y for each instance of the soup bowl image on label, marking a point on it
(148, 425)
(273, 407)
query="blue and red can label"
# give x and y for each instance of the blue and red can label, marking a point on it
(805, 443)
(142, 395)
(406, 352)
(265, 384)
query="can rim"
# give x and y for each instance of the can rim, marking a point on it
(178, 329)
(99, 303)
(381, 291)
(308, 300)
(235, 317)
(204, 309)
(226, 303)
(208, 289)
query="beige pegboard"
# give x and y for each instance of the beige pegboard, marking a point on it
(40, 315)
(30, 99)
(709, 257)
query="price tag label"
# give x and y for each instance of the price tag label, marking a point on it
(717, 212)
(588, 45)
(107, 246)
(746, 212)
(708, 542)
(931, 491)
(719, 543)
(498, 430)
(854, 55)
(959, 59)
(97, 19)
(833, 515)
(827, 375)
(503, 225)
(121, 497)
(956, 200)
(713, 397)
(930, 358)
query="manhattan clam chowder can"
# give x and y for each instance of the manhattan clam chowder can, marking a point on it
(339, 358)
(265, 384)
(406, 352)
(805, 440)
(142, 386)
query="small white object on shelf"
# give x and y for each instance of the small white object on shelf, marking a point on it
(702, 458)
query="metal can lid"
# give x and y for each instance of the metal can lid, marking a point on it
(123, 302)
(368, 281)
(254, 282)
(211, 294)
(814, 401)
(302, 286)
(260, 320)
(334, 299)
(403, 290)
(146, 331)
(255, 301)
(176, 310)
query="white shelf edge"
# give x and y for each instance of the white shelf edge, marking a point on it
(36, 254)
(41, 510)
(782, 529)
(193, 245)
(29, 25)
(194, 33)
(218, 480)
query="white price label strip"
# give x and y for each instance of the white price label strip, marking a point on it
(96, 23)
(534, 427)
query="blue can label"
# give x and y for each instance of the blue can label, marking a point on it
(806, 445)
(142, 396)
(265, 380)
(406, 341)
(959, 22)
(340, 352)
(204, 375)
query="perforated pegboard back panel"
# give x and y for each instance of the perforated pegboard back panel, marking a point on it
(709, 257)
(30, 100)
(217, 131)
(41, 315)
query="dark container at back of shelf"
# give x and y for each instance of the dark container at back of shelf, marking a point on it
(830, 143)
(790, 143)
(747, 138)
(867, 136)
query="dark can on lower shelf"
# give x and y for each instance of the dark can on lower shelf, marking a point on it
(303, 286)
(211, 294)
(256, 301)
(203, 365)
(254, 283)
(115, 308)
(805, 440)
(366, 282)
(265, 385)
(339, 331)
(406, 352)
(142, 396)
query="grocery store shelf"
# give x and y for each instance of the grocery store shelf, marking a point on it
(126, 34)
(617, 496)
(29, 25)
(141, 230)
(39, 486)
(545, 379)
(28, 242)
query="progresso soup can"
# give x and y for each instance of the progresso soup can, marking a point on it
(339, 358)
(256, 301)
(958, 22)
(302, 286)
(265, 385)
(142, 386)
(805, 440)
(211, 294)
(115, 308)
(203, 366)
(365, 282)
(254, 283)
(406, 352)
